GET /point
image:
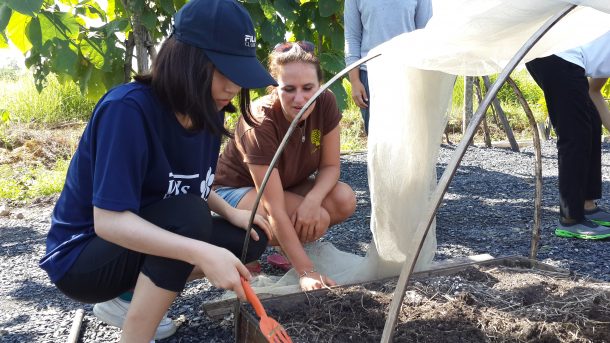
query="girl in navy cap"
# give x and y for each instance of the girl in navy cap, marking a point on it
(135, 209)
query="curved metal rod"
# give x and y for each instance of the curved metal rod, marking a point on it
(537, 169)
(280, 148)
(441, 188)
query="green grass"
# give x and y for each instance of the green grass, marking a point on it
(27, 183)
(57, 103)
(509, 102)
(352, 125)
(352, 128)
(22, 105)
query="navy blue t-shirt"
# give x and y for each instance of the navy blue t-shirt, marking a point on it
(133, 152)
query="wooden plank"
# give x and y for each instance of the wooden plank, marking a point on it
(218, 309)
(246, 328)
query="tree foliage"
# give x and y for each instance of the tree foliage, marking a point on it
(92, 45)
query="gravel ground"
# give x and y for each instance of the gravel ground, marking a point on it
(488, 209)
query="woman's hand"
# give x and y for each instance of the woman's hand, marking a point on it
(307, 221)
(223, 269)
(359, 94)
(240, 218)
(315, 280)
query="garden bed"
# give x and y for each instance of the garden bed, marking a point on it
(509, 299)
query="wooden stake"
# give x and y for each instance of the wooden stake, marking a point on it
(75, 329)
(538, 169)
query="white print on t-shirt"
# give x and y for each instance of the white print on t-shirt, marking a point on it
(206, 185)
(178, 184)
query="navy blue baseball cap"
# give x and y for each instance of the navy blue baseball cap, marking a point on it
(224, 30)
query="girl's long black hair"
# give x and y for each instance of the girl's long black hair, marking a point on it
(181, 78)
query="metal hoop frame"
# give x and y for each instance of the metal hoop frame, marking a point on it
(441, 188)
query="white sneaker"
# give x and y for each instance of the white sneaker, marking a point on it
(113, 312)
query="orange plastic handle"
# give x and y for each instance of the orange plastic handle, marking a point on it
(253, 298)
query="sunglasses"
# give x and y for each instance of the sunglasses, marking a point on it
(286, 46)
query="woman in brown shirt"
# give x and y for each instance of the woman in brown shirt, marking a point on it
(303, 196)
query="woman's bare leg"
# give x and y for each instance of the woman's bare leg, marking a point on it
(338, 205)
(147, 307)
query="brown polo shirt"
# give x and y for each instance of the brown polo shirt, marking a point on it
(257, 145)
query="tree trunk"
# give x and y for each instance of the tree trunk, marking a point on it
(127, 68)
(509, 131)
(143, 43)
(486, 135)
(468, 82)
(150, 47)
(140, 35)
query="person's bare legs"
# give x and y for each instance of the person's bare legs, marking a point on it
(144, 316)
(590, 205)
(338, 205)
(147, 307)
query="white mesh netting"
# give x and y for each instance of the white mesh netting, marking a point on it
(411, 85)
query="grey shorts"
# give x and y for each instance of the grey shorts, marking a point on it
(232, 195)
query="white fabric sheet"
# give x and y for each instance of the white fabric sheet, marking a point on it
(411, 86)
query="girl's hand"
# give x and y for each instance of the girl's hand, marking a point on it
(307, 221)
(315, 280)
(223, 269)
(240, 218)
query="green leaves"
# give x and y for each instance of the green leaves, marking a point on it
(27, 7)
(167, 6)
(85, 42)
(93, 10)
(149, 20)
(34, 33)
(606, 90)
(329, 7)
(16, 31)
(319, 21)
(5, 16)
(332, 61)
(117, 25)
(5, 116)
(65, 59)
(67, 42)
(272, 31)
(61, 25)
(287, 9)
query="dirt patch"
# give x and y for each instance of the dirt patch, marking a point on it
(479, 304)
(22, 145)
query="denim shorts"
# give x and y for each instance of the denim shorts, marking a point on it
(232, 195)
